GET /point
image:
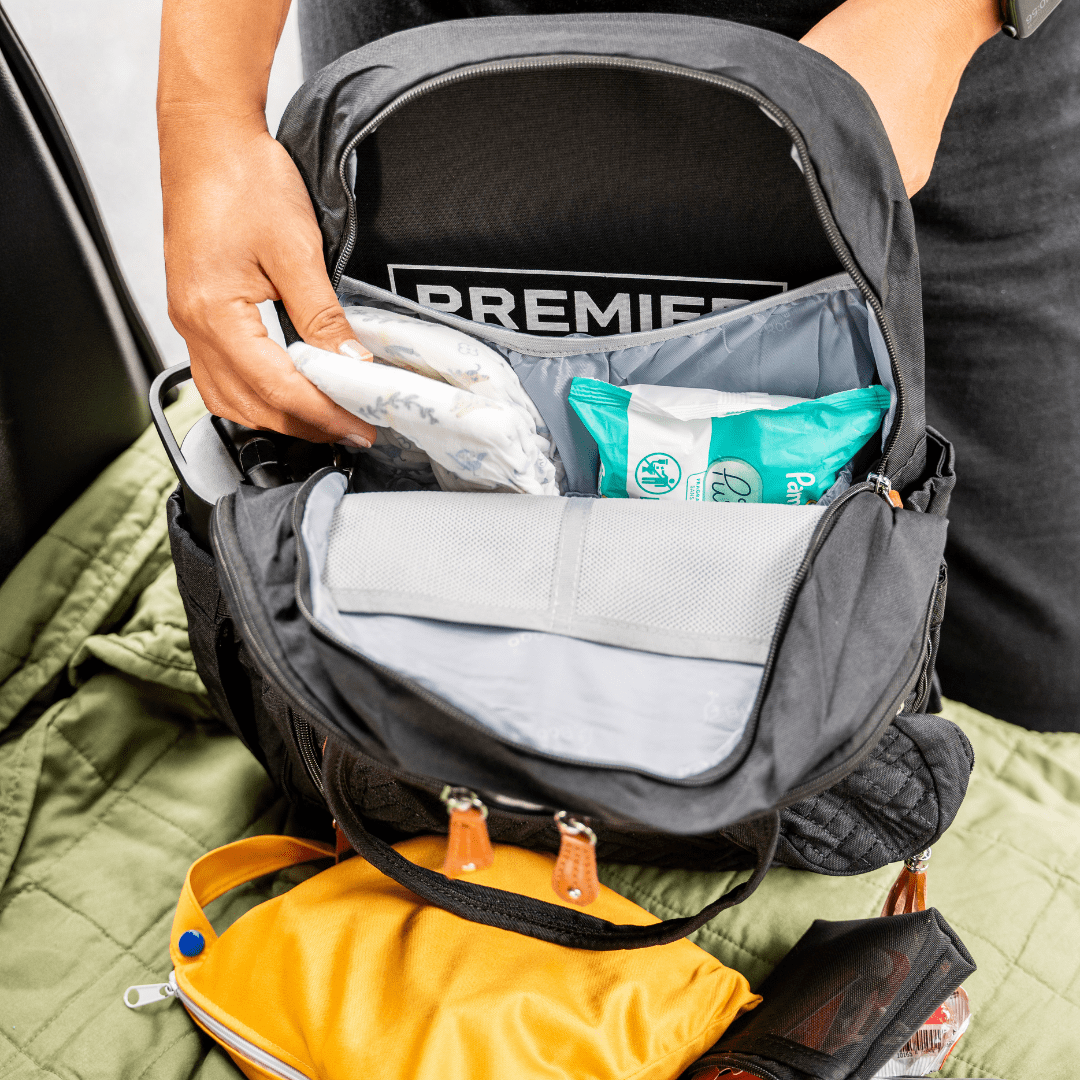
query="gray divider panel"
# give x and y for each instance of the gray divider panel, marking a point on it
(703, 580)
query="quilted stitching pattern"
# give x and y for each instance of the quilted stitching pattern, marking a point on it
(884, 811)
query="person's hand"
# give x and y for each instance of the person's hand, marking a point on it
(240, 229)
(908, 56)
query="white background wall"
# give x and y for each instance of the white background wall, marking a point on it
(99, 60)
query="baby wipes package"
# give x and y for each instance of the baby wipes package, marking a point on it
(670, 442)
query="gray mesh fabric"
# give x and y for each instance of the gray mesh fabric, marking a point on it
(453, 547)
(701, 580)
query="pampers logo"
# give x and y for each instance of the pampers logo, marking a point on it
(796, 481)
(558, 302)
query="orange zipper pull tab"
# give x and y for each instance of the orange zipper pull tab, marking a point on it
(574, 877)
(341, 843)
(909, 890)
(468, 846)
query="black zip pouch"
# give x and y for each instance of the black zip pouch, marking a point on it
(846, 998)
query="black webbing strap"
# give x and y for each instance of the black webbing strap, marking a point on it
(511, 911)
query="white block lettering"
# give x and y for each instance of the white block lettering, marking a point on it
(584, 307)
(481, 308)
(425, 294)
(644, 303)
(669, 314)
(535, 311)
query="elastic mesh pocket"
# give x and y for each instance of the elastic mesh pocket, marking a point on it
(703, 580)
(718, 576)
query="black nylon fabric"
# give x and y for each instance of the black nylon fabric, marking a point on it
(657, 176)
(847, 144)
(897, 802)
(251, 706)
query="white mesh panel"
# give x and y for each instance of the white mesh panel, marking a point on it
(455, 546)
(686, 579)
(721, 570)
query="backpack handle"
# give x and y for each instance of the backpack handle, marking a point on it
(523, 914)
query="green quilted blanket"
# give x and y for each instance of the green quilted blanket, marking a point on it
(114, 777)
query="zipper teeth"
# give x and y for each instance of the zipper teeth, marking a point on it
(306, 744)
(817, 196)
(228, 1038)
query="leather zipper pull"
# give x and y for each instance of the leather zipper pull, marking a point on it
(574, 877)
(909, 890)
(468, 845)
(341, 843)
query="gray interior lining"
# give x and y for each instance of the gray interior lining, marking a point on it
(672, 717)
(810, 342)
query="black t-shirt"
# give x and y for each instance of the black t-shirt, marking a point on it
(331, 27)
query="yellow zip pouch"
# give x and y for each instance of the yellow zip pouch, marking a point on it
(349, 974)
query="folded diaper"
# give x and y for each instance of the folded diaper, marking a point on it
(480, 444)
(667, 442)
(441, 352)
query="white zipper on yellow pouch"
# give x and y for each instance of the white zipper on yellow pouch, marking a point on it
(135, 997)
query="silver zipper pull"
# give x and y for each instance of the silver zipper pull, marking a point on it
(883, 487)
(135, 997)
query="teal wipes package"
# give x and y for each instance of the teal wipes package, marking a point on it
(670, 442)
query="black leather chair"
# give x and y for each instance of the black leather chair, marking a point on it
(76, 358)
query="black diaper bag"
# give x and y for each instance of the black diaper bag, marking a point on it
(640, 199)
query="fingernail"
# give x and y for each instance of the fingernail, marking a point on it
(354, 350)
(357, 442)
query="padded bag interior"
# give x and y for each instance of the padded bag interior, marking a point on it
(630, 634)
(585, 169)
(630, 224)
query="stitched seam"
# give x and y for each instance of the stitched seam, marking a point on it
(1059, 874)
(200, 843)
(648, 901)
(30, 1057)
(112, 787)
(193, 1030)
(124, 950)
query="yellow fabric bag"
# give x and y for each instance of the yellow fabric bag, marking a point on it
(349, 975)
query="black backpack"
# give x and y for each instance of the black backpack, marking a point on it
(704, 168)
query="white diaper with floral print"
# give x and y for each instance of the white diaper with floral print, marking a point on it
(452, 396)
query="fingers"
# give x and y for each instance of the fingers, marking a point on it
(311, 302)
(256, 384)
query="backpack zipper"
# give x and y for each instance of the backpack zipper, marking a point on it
(774, 112)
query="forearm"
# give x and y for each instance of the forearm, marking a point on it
(215, 58)
(908, 56)
(239, 225)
